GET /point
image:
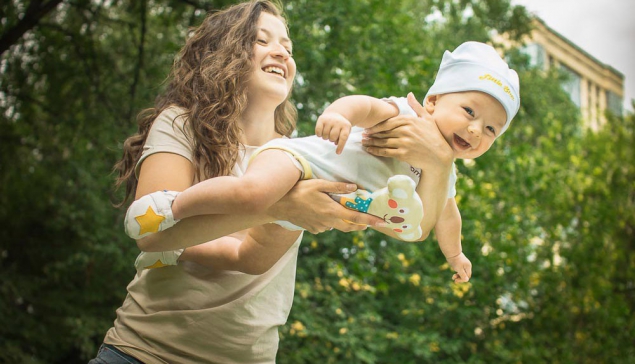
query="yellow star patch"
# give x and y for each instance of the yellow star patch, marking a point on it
(158, 264)
(149, 222)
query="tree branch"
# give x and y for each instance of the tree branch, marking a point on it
(140, 51)
(193, 3)
(34, 13)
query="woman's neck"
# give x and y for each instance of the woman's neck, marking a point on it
(258, 126)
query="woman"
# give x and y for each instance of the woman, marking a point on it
(228, 93)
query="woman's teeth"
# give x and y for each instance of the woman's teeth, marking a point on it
(277, 70)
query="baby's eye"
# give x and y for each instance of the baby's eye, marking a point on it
(492, 129)
(468, 110)
(403, 210)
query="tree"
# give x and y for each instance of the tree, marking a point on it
(548, 219)
(69, 91)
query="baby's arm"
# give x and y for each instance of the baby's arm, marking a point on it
(358, 110)
(448, 231)
(254, 253)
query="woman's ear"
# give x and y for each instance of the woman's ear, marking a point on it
(430, 103)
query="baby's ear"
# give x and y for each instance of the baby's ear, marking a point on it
(430, 102)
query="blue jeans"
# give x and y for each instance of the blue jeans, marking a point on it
(108, 354)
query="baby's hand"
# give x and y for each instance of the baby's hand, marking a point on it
(334, 127)
(463, 268)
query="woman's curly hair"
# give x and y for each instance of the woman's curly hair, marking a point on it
(209, 80)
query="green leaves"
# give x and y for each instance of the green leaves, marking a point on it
(547, 214)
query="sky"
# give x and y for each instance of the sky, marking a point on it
(604, 29)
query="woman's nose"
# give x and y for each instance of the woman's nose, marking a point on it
(280, 51)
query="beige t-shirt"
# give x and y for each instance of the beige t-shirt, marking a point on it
(191, 314)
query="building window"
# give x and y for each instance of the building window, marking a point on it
(572, 84)
(614, 103)
(537, 55)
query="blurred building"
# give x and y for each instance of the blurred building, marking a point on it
(592, 85)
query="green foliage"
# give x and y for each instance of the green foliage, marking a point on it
(548, 212)
(69, 91)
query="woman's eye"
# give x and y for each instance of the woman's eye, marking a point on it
(469, 111)
(262, 41)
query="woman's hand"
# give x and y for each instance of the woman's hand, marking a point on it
(309, 206)
(414, 140)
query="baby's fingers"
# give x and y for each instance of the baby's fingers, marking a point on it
(460, 277)
(319, 128)
(341, 141)
(325, 132)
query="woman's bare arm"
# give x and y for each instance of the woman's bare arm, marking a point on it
(253, 253)
(322, 214)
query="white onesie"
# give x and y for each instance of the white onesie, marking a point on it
(316, 158)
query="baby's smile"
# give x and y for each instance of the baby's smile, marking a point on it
(461, 142)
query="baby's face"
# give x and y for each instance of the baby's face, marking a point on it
(469, 121)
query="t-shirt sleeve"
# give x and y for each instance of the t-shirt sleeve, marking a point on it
(167, 135)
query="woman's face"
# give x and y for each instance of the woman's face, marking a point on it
(274, 68)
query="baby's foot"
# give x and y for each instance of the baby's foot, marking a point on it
(150, 214)
(150, 260)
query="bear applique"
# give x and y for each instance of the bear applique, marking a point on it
(398, 204)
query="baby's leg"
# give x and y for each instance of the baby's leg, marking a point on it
(270, 175)
(219, 254)
(150, 260)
